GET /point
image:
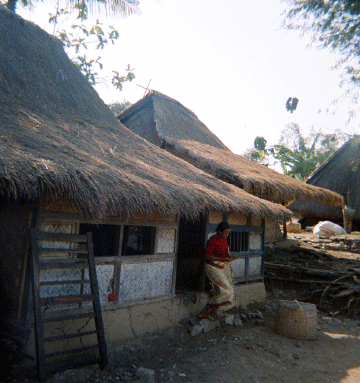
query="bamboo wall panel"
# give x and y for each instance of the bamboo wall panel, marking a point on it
(145, 280)
(155, 217)
(166, 241)
(255, 264)
(238, 267)
(255, 221)
(215, 217)
(255, 241)
(105, 275)
(237, 219)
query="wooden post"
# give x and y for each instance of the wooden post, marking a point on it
(284, 229)
(348, 214)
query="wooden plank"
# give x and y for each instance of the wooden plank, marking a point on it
(71, 351)
(96, 302)
(63, 264)
(61, 318)
(66, 282)
(39, 328)
(61, 237)
(128, 259)
(17, 339)
(69, 336)
(64, 299)
(57, 251)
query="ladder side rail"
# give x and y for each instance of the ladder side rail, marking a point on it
(96, 301)
(38, 323)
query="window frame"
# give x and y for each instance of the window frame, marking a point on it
(119, 262)
(152, 245)
(245, 255)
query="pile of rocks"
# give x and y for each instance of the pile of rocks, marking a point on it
(226, 319)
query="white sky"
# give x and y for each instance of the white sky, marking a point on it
(229, 62)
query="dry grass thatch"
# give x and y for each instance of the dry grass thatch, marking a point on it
(58, 137)
(161, 119)
(316, 212)
(167, 123)
(252, 177)
(341, 173)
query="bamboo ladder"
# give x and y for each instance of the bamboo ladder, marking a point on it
(73, 284)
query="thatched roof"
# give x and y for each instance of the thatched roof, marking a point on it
(261, 181)
(58, 137)
(162, 120)
(340, 173)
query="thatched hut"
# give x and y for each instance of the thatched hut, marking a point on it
(341, 174)
(67, 165)
(176, 128)
(167, 123)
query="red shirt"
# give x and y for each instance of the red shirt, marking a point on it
(217, 247)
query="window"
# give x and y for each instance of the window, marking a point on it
(105, 238)
(238, 241)
(138, 240)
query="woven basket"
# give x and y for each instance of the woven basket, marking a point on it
(296, 320)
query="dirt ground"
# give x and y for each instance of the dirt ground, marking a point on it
(249, 352)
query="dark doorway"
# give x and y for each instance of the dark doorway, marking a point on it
(189, 273)
(15, 221)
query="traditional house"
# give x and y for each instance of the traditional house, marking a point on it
(167, 123)
(341, 174)
(68, 166)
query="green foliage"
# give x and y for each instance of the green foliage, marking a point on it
(11, 4)
(260, 143)
(80, 37)
(291, 104)
(331, 24)
(259, 153)
(117, 107)
(118, 80)
(297, 155)
(123, 7)
(256, 156)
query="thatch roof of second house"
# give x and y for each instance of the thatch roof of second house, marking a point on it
(184, 136)
(58, 138)
(340, 173)
(162, 120)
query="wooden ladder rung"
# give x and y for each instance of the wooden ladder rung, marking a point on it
(69, 336)
(63, 299)
(66, 259)
(63, 264)
(57, 251)
(17, 339)
(72, 351)
(67, 282)
(68, 317)
(60, 237)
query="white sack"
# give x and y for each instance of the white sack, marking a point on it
(328, 228)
